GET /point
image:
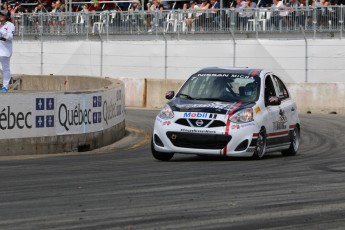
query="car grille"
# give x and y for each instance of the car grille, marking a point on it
(198, 141)
(197, 122)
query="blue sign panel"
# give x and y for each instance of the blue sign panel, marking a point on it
(50, 121)
(39, 121)
(50, 103)
(39, 103)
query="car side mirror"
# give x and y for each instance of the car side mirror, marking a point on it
(273, 100)
(169, 95)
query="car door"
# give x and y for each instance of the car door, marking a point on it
(288, 104)
(277, 125)
(282, 124)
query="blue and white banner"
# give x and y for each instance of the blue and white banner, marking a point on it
(36, 115)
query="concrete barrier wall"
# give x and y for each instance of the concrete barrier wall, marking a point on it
(132, 61)
(177, 59)
(75, 114)
(310, 97)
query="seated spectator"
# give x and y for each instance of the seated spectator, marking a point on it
(201, 22)
(192, 15)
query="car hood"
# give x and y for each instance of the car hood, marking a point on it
(183, 105)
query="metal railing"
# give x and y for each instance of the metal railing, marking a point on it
(263, 20)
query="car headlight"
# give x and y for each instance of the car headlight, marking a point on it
(166, 113)
(243, 116)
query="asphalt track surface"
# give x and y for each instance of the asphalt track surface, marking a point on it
(123, 187)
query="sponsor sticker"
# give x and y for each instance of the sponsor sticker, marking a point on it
(166, 123)
(247, 124)
(195, 115)
(244, 76)
(235, 127)
(281, 124)
(198, 131)
(250, 150)
(257, 109)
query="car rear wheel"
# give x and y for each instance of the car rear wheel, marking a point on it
(160, 155)
(294, 144)
(260, 148)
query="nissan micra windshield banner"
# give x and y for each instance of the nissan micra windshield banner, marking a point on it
(35, 115)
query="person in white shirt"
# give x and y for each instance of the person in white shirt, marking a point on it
(7, 30)
(277, 9)
(192, 15)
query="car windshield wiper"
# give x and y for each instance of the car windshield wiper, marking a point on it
(186, 95)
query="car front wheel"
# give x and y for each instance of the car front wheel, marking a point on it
(160, 155)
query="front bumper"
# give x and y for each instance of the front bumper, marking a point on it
(205, 141)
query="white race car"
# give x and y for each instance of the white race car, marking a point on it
(227, 112)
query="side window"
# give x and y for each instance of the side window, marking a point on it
(283, 93)
(269, 88)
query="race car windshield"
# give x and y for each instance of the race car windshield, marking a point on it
(221, 87)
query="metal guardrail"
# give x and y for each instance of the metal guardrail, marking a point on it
(325, 19)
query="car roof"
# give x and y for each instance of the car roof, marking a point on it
(232, 70)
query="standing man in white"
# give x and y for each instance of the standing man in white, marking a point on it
(7, 30)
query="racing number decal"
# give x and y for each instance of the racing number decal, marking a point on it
(228, 125)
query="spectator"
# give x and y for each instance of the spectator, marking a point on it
(293, 3)
(276, 18)
(4, 6)
(39, 8)
(154, 18)
(17, 14)
(250, 4)
(53, 17)
(60, 8)
(6, 35)
(135, 19)
(205, 5)
(295, 16)
(192, 15)
(96, 7)
(241, 14)
(85, 9)
(214, 17)
(135, 6)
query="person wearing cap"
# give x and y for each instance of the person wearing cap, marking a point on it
(7, 30)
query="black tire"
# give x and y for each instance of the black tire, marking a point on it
(292, 151)
(160, 155)
(260, 147)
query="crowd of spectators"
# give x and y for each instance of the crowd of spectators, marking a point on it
(195, 6)
(33, 6)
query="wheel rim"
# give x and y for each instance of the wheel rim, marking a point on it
(295, 140)
(261, 144)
